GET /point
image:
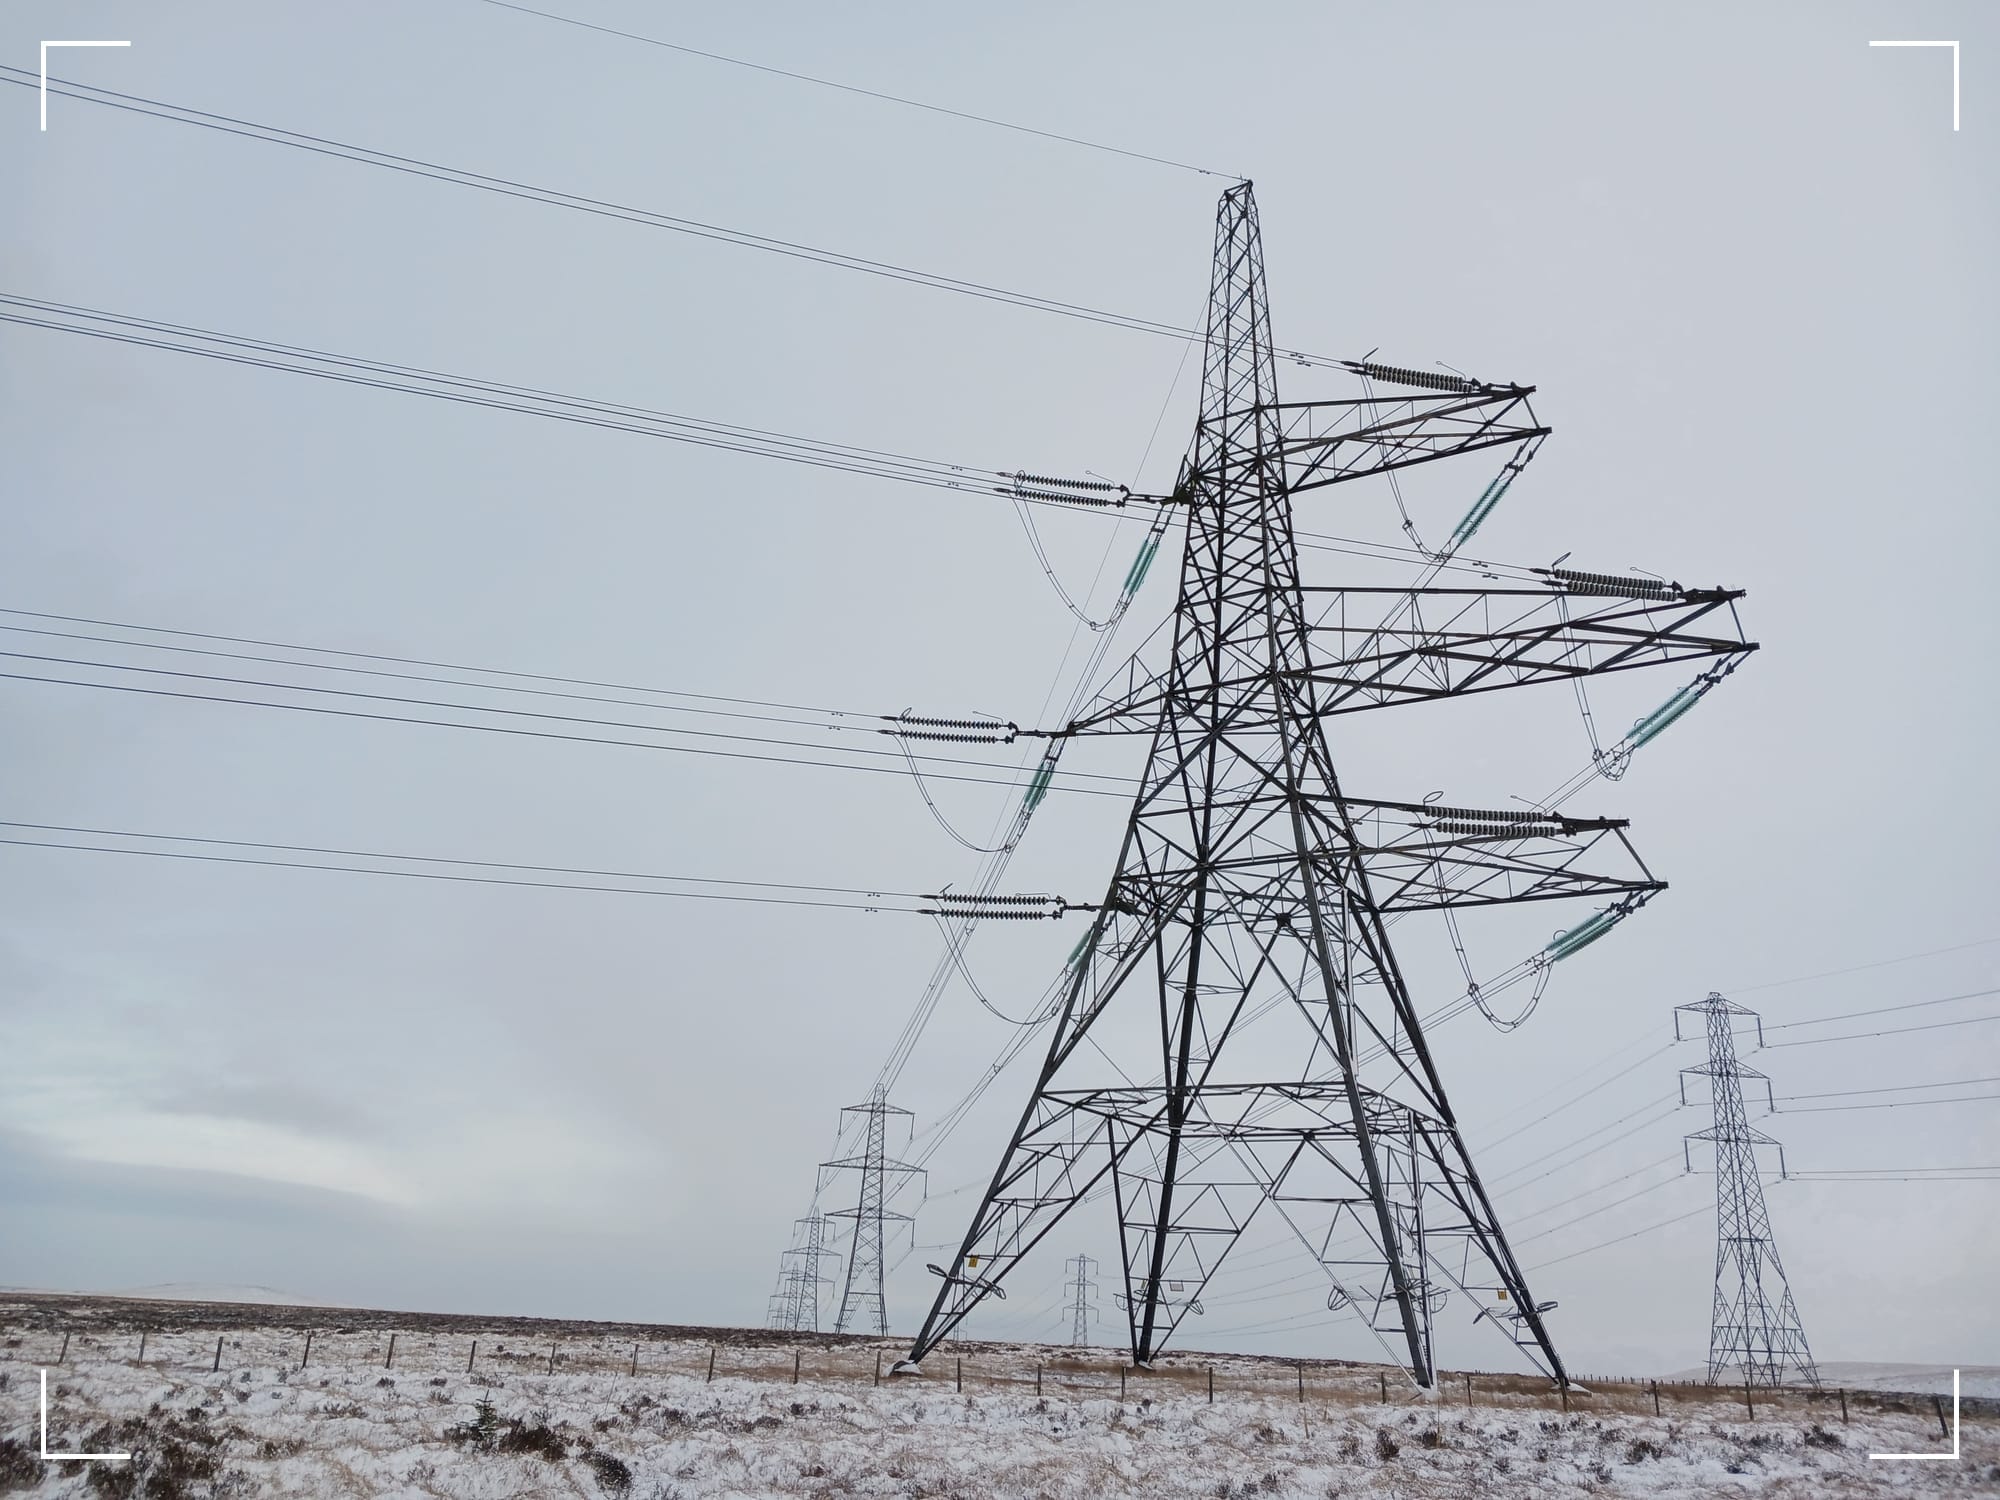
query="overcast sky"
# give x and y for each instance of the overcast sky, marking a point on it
(1744, 257)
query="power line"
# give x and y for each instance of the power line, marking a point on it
(1942, 1174)
(849, 88)
(1542, 1234)
(1591, 1213)
(822, 713)
(1893, 1088)
(1579, 1098)
(1880, 963)
(1883, 1010)
(1635, 1172)
(1897, 1174)
(1276, 1326)
(484, 864)
(603, 208)
(1549, 1208)
(877, 900)
(413, 380)
(515, 713)
(702, 432)
(294, 687)
(1893, 1174)
(1588, 1068)
(1290, 1286)
(1912, 1173)
(1774, 1026)
(1666, 1104)
(1981, 1174)
(551, 734)
(1820, 1109)
(1829, 1176)
(1681, 1218)
(1861, 1175)
(1621, 1239)
(1657, 1052)
(1857, 1036)
(994, 864)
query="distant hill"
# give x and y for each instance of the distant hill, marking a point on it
(1855, 1375)
(194, 1291)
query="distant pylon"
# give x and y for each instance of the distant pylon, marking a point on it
(862, 1308)
(1751, 1338)
(794, 1306)
(1081, 1310)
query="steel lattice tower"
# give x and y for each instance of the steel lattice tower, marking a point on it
(1080, 1309)
(1248, 877)
(1749, 1337)
(794, 1306)
(861, 1299)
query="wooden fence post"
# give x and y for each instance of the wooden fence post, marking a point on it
(470, 1355)
(309, 1349)
(1211, 1385)
(1038, 1377)
(1121, 1382)
(797, 1356)
(552, 1356)
(389, 1362)
(878, 1365)
(635, 1362)
(710, 1376)
(1938, 1402)
(142, 1345)
(1656, 1398)
(1843, 1408)
(1468, 1393)
(1385, 1389)
(218, 1355)
(958, 1379)
(1302, 1384)
(65, 1350)
(1748, 1405)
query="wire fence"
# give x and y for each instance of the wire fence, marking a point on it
(496, 1359)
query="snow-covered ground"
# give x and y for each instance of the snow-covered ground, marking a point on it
(351, 1424)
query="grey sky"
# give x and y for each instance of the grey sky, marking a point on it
(1744, 257)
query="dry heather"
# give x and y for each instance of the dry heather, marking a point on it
(352, 1424)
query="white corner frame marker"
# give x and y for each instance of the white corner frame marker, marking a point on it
(1951, 1457)
(58, 1457)
(45, 85)
(1954, 69)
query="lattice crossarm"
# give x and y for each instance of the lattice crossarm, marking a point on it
(1428, 859)
(1542, 640)
(1328, 442)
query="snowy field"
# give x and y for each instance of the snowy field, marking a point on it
(353, 1418)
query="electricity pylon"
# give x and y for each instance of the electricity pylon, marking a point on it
(1749, 1337)
(1081, 1310)
(862, 1308)
(794, 1306)
(1250, 881)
